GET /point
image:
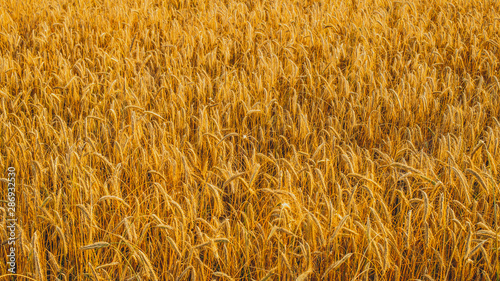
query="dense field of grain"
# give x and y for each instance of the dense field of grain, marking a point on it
(251, 140)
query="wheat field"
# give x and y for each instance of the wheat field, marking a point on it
(251, 140)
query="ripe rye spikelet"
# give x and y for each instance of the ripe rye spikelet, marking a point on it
(479, 179)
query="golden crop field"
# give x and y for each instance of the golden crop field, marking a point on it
(250, 140)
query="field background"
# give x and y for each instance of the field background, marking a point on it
(245, 140)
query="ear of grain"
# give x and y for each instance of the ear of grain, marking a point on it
(336, 264)
(338, 228)
(37, 258)
(222, 275)
(96, 245)
(479, 179)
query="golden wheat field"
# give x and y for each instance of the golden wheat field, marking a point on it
(249, 140)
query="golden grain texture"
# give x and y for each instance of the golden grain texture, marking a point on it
(252, 140)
